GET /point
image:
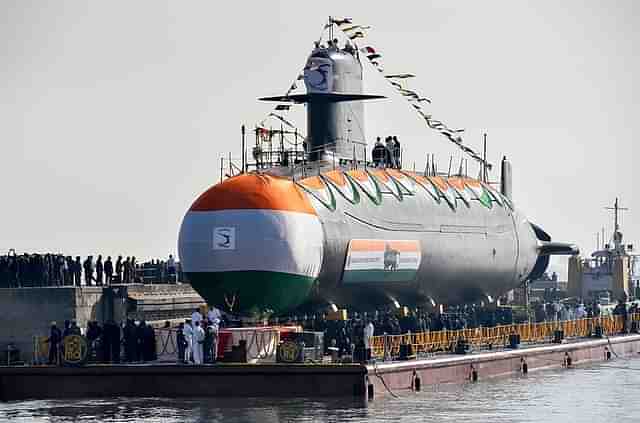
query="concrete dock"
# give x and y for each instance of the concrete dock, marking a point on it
(296, 380)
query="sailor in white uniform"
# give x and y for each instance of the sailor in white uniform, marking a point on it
(188, 336)
(198, 340)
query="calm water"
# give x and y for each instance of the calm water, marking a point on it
(599, 393)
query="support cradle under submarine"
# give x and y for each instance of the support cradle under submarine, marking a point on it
(352, 234)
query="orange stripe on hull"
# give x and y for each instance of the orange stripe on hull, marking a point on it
(313, 182)
(440, 183)
(381, 174)
(254, 191)
(456, 182)
(359, 175)
(337, 177)
(379, 245)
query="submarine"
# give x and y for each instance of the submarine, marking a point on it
(319, 223)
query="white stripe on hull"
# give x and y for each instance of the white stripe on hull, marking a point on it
(262, 240)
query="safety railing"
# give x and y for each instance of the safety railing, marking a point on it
(386, 346)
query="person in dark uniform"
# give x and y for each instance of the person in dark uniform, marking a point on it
(207, 345)
(181, 342)
(389, 156)
(99, 271)
(378, 153)
(396, 152)
(132, 270)
(149, 343)
(621, 310)
(55, 337)
(94, 332)
(119, 270)
(126, 270)
(129, 334)
(140, 341)
(115, 341)
(108, 270)
(69, 271)
(13, 272)
(88, 271)
(77, 271)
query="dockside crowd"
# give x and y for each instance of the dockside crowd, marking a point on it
(106, 342)
(134, 341)
(38, 270)
(346, 334)
(195, 340)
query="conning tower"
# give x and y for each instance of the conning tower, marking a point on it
(335, 113)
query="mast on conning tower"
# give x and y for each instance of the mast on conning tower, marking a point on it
(617, 235)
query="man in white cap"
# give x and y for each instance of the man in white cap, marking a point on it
(196, 316)
(214, 314)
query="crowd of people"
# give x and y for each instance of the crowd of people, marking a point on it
(345, 335)
(387, 154)
(107, 342)
(134, 341)
(557, 311)
(35, 270)
(197, 338)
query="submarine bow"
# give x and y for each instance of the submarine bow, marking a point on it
(252, 242)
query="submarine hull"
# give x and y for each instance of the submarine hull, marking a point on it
(353, 238)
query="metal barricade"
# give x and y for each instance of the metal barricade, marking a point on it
(388, 346)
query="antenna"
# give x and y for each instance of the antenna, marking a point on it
(617, 236)
(616, 210)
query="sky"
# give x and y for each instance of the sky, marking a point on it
(114, 115)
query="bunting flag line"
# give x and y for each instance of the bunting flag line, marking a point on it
(400, 76)
(354, 27)
(341, 21)
(420, 100)
(354, 31)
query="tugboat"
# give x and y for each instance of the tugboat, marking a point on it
(611, 273)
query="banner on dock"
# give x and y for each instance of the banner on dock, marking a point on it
(374, 260)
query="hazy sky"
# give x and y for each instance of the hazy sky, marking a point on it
(114, 114)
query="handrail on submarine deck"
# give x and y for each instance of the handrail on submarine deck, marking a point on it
(388, 346)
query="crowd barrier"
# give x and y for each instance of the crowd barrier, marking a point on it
(387, 346)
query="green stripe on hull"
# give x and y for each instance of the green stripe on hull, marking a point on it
(250, 291)
(379, 276)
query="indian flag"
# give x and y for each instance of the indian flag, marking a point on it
(376, 261)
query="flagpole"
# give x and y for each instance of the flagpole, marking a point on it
(243, 150)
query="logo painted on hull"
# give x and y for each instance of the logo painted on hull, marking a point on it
(374, 260)
(224, 238)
